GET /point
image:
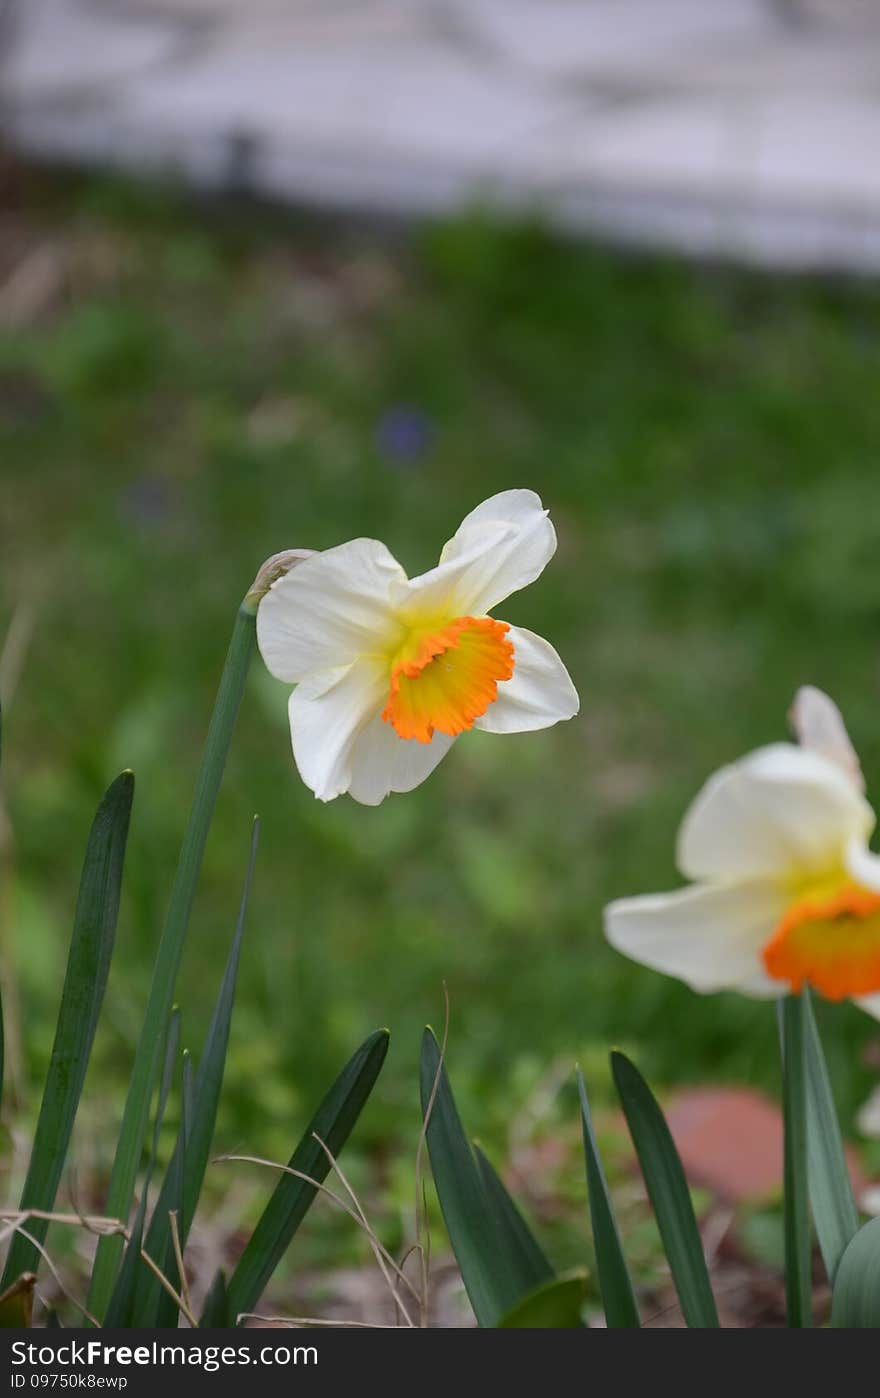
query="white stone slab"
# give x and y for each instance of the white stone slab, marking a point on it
(756, 146)
(62, 48)
(418, 100)
(706, 125)
(806, 61)
(614, 40)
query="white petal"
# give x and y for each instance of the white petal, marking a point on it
(782, 810)
(444, 590)
(500, 547)
(869, 1003)
(328, 712)
(863, 865)
(819, 726)
(382, 762)
(538, 694)
(328, 611)
(709, 936)
(868, 1117)
(520, 507)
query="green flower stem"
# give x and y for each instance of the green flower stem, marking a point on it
(798, 1281)
(149, 1050)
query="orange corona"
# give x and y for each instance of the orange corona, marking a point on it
(444, 679)
(831, 941)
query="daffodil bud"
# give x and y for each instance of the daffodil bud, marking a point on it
(273, 569)
(818, 724)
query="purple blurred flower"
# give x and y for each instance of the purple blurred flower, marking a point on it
(404, 434)
(148, 502)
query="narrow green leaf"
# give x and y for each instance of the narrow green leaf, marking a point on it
(668, 1192)
(121, 1308)
(188, 1098)
(332, 1123)
(462, 1194)
(615, 1283)
(855, 1303)
(88, 964)
(557, 1305)
(834, 1208)
(499, 1260)
(149, 1050)
(120, 1313)
(798, 1282)
(202, 1114)
(215, 1313)
(527, 1257)
(166, 1313)
(209, 1077)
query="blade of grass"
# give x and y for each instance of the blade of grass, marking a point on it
(332, 1124)
(798, 1284)
(615, 1283)
(831, 1197)
(668, 1192)
(88, 964)
(485, 1229)
(120, 1310)
(148, 1054)
(202, 1114)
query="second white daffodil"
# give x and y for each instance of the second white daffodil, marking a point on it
(786, 893)
(390, 670)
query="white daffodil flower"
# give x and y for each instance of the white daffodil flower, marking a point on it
(389, 670)
(785, 891)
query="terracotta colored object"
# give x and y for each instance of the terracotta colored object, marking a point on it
(730, 1141)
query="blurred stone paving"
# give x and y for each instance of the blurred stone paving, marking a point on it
(742, 128)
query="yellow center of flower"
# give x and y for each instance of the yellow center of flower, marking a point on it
(830, 939)
(445, 678)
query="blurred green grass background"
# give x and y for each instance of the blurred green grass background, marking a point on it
(195, 388)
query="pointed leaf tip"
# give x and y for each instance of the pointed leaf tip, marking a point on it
(332, 1124)
(615, 1284)
(668, 1191)
(85, 980)
(499, 1259)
